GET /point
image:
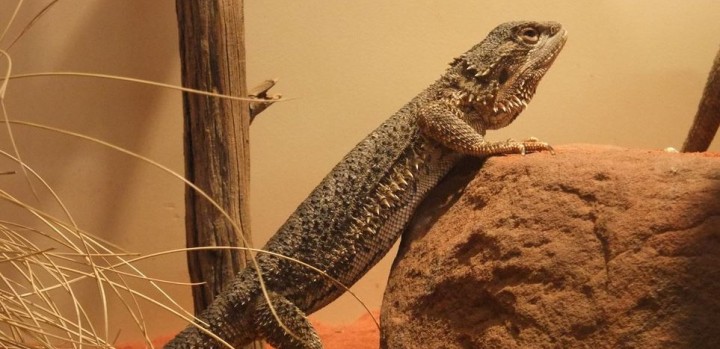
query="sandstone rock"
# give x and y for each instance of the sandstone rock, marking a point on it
(595, 247)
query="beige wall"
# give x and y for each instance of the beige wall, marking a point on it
(631, 75)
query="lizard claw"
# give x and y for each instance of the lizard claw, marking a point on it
(532, 144)
(511, 146)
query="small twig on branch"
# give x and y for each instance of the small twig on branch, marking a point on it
(261, 91)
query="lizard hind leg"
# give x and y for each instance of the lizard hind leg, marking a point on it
(303, 334)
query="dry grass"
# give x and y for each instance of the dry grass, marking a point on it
(46, 260)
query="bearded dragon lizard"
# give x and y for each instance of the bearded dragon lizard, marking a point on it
(358, 211)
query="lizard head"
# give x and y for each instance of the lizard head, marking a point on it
(498, 76)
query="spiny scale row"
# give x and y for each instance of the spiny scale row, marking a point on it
(388, 193)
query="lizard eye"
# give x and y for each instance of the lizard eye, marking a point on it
(529, 35)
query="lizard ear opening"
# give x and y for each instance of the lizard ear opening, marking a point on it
(503, 76)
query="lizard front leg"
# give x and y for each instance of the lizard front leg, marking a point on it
(444, 123)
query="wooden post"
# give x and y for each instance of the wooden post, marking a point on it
(212, 52)
(707, 119)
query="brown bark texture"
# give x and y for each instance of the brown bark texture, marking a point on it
(707, 119)
(216, 140)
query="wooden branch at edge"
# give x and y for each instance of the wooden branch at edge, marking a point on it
(707, 119)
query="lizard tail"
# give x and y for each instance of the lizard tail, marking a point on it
(241, 315)
(228, 317)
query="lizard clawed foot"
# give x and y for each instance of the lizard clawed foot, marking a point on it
(532, 145)
(511, 146)
(529, 145)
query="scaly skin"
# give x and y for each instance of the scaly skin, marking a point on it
(362, 206)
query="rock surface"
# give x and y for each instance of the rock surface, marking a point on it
(595, 247)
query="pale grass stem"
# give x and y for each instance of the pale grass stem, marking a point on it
(27, 310)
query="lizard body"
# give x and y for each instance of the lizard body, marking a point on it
(358, 211)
